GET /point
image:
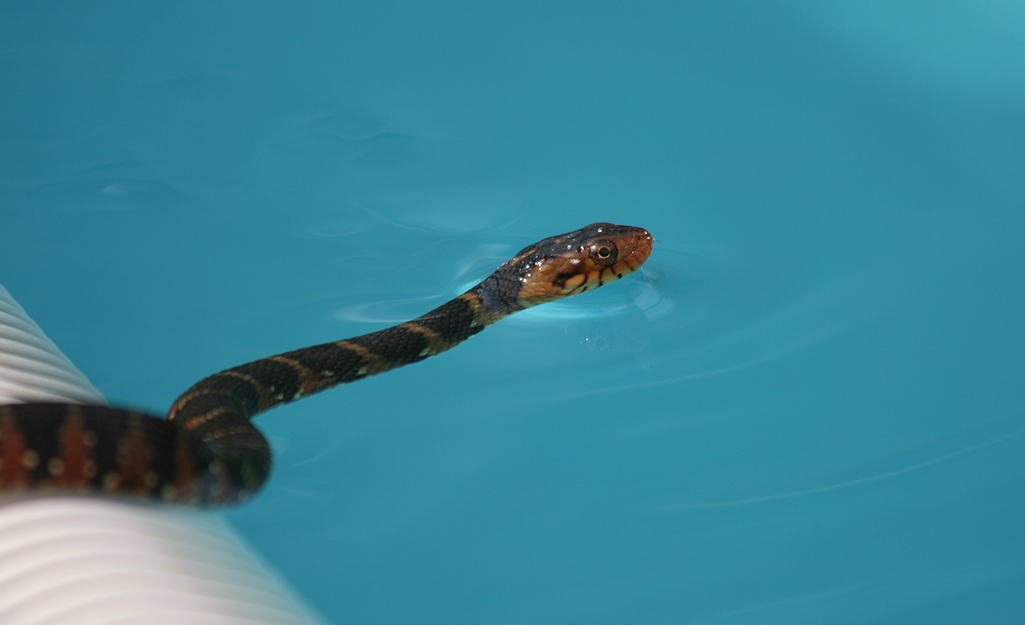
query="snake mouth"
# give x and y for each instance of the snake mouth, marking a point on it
(636, 249)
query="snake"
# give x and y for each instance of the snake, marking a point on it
(208, 453)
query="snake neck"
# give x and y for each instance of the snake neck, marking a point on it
(257, 386)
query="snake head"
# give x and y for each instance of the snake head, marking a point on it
(578, 261)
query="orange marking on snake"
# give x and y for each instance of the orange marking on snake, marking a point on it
(13, 472)
(134, 466)
(75, 451)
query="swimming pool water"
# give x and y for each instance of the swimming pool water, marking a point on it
(807, 408)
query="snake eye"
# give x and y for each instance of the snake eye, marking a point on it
(603, 252)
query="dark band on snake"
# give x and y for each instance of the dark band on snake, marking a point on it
(207, 452)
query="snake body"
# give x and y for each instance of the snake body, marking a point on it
(207, 452)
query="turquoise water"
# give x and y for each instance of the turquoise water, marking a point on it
(807, 409)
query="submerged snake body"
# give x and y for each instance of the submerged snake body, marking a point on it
(207, 452)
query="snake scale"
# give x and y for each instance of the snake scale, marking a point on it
(208, 453)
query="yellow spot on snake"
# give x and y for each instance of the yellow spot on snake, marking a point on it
(576, 281)
(111, 480)
(30, 459)
(55, 466)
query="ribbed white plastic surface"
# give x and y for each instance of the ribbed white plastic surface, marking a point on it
(81, 561)
(31, 366)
